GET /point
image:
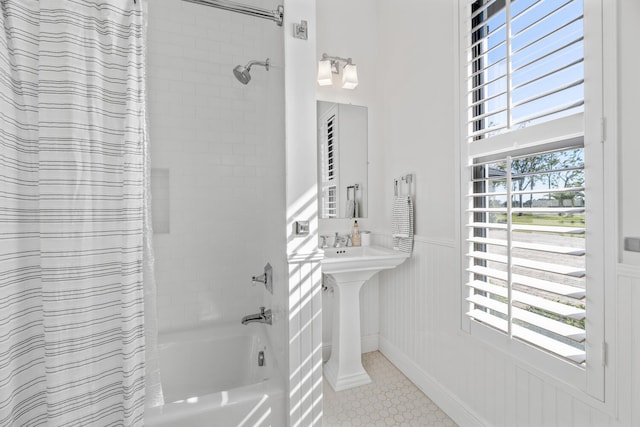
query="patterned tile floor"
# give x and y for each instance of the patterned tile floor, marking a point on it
(390, 400)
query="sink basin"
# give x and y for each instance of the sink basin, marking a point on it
(359, 262)
(351, 267)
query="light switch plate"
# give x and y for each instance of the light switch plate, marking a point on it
(632, 244)
(301, 228)
(300, 30)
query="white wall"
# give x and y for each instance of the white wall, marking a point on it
(629, 60)
(304, 295)
(223, 144)
(417, 104)
(346, 29)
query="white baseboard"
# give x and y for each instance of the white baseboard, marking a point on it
(368, 344)
(430, 386)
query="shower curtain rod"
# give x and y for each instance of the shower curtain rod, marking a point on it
(273, 15)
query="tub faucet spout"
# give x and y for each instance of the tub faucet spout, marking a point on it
(264, 316)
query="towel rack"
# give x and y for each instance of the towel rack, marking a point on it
(397, 184)
(354, 187)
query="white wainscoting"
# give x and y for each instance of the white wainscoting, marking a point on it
(627, 356)
(478, 385)
(305, 341)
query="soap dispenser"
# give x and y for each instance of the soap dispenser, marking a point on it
(355, 234)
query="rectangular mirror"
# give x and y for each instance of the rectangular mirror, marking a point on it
(342, 160)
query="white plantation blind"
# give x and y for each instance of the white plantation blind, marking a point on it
(329, 164)
(526, 249)
(525, 61)
(331, 152)
(526, 204)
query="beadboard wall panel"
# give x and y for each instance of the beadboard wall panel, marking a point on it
(627, 356)
(477, 384)
(305, 339)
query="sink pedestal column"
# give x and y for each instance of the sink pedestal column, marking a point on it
(351, 267)
(344, 369)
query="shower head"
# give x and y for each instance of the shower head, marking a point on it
(243, 74)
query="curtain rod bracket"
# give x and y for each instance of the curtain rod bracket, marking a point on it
(278, 16)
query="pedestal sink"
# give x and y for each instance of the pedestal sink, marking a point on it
(351, 267)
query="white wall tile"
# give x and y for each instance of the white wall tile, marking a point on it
(203, 126)
(160, 196)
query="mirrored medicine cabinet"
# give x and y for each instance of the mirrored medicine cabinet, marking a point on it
(342, 160)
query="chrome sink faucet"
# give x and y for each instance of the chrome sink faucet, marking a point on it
(264, 316)
(337, 240)
(340, 241)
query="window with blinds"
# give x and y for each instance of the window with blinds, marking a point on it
(329, 166)
(526, 203)
(527, 247)
(526, 63)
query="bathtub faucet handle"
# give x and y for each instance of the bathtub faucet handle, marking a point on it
(265, 278)
(261, 278)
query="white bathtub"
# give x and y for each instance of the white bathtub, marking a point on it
(210, 377)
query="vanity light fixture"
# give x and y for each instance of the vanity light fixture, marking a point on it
(325, 77)
(330, 65)
(349, 76)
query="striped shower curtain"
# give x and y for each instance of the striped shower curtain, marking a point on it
(72, 153)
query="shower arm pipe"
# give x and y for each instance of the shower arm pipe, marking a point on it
(264, 64)
(273, 15)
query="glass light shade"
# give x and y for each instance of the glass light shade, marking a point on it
(349, 77)
(324, 73)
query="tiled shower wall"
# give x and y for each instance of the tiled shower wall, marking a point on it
(222, 144)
